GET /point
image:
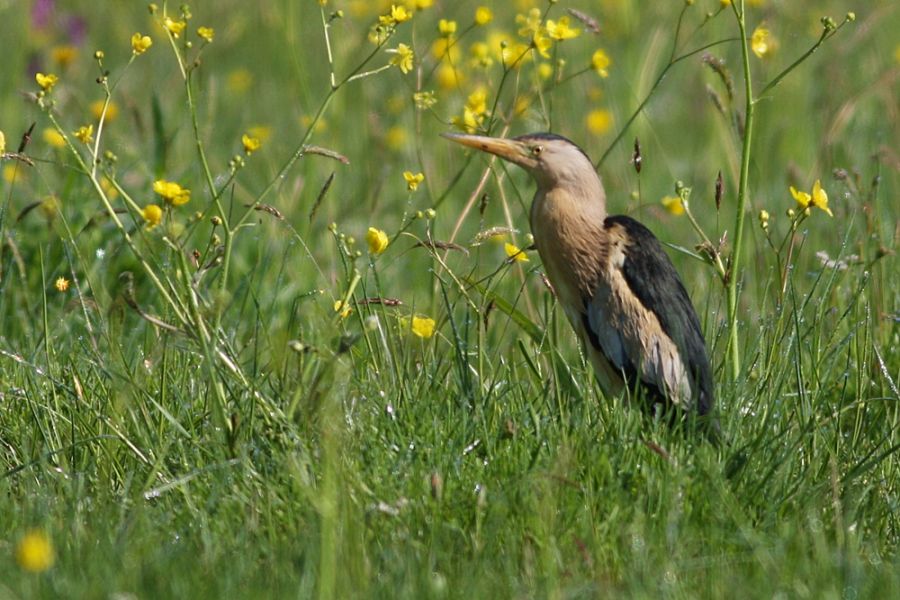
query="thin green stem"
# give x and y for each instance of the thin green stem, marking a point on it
(95, 181)
(656, 84)
(734, 267)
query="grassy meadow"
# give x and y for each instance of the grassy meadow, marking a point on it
(247, 351)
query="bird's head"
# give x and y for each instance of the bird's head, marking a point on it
(551, 159)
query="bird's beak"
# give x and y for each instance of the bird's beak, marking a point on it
(512, 150)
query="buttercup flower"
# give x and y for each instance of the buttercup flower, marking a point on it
(53, 138)
(483, 15)
(377, 240)
(446, 28)
(61, 284)
(207, 33)
(422, 327)
(561, 30)
(342, 309)
(174, 27)
(600, 62)
(398, 14)
(251, 144)
(818, 198)
(403, 58)
(85, 133)
(152, 214)
(599, 121)
(140, 43)
(46, 81)
(673, 204)
(34, 552)
(515, 253)
(760, 41)
(171, 192)
(96, 108)
(413, 180)
(424, 100)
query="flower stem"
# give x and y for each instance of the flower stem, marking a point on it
(734, 267)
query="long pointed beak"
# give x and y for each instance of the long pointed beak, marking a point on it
(512, 150)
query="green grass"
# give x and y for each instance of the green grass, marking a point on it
(260, 445)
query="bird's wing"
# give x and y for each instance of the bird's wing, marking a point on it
(642, 320)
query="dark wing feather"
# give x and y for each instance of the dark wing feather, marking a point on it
(654, 280)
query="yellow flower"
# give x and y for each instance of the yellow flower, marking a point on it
(423, 327)
(403, 58)
(112, 111)
(446, 28)
(419, 4)
(85, 133)
(140, 43)
(761, 41)
(483, 15)
(803, 199)
(424, 100)
(174, 27)
(542, 43)
(599, 121)
(600, 62)
(61, 284)
(207, 33)
(377, 240)
(413, 180)
(342, 309)
(46, 81)
(515, 253)
(251, 144)
(674, 205)
(152, 214)
(399, 14)
(171, 192)
(818, 198)
(561, 30)
(64, 55)
(474, 111)
(53, 138)
(34, 552)
(2, 143)
(530, 23)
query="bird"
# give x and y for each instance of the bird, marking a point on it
(616, 284)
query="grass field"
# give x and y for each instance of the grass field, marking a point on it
(243, 392)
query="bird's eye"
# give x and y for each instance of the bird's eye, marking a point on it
(536, 150)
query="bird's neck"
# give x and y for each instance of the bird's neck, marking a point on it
(568, 227)
(577, 196)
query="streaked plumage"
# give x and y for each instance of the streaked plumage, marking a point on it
(612, 277)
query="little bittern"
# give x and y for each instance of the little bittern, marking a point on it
(611, 276)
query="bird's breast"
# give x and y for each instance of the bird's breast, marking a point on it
(572, 244)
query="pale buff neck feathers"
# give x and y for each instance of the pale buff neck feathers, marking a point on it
(567, 216)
